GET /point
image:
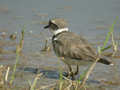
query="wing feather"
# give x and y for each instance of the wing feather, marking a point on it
(74, 46)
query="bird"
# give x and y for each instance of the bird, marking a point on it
(72, 48)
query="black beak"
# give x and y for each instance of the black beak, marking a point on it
(46, 26)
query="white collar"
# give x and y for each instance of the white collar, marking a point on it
(60, 30)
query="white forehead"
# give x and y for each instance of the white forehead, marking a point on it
(53, 21)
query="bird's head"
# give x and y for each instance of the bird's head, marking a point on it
(57, 25)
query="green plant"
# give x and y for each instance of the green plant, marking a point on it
(18, 50)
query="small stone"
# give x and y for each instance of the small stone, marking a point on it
(12, 36)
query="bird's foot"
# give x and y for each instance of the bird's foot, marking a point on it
(66, 74)
(69, 75)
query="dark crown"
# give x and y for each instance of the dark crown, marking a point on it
(57, 23)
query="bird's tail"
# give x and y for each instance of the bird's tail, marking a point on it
(105, 61)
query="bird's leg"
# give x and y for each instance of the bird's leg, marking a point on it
(77, 71)
(70, 74)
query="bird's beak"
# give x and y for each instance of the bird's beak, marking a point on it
(47, 26)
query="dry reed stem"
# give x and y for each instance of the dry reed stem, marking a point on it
(21, 43)
(61, 85)
(88, 73)
(7, 73)
(68, 88)
(114, 44)
(46, 47)
(67, 79)
(76, 87)
(70, 81)
(47, 86)
(2, 69)
(35, 81)
(19, 48)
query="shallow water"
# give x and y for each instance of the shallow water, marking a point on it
(90, 18)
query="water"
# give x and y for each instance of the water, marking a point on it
(90, 18)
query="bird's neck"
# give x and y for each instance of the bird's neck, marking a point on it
(58, 31)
